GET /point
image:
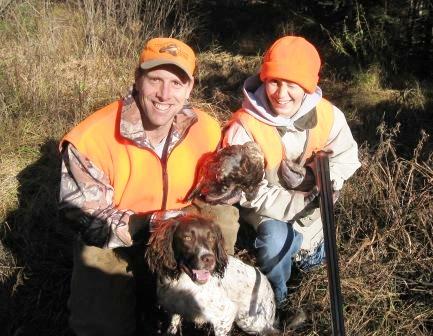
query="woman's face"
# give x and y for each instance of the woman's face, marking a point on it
(285, 97)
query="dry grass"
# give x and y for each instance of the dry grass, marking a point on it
(384, 220)
(59, 61)
(219, 80)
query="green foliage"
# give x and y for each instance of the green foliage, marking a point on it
(396, 35)
(369, 80)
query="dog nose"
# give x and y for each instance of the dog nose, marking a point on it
(208, 259)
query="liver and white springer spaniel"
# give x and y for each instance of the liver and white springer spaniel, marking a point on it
(200, 283)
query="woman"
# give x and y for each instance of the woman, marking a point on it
(284, 112)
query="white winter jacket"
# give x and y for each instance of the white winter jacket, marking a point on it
(273, 201)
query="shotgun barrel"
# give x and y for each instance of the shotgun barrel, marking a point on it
(324, 186)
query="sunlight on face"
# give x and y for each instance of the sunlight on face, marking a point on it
(285, 97)
(162, 92)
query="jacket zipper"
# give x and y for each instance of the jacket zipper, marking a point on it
(164, 159)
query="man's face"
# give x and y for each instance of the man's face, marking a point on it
(162, 92)
(285, 97)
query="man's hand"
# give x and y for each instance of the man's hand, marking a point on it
(296, 177)
(140, 225)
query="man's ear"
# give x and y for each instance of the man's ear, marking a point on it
(189, 89)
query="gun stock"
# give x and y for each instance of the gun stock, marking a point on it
(323, 183)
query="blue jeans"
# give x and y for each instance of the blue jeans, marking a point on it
(276, 243)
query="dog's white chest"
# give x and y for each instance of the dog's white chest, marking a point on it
(194, 302)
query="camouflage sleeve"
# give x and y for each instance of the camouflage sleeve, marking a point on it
(86, 202)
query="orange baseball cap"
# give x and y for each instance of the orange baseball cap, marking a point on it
(294, 59)
(160, 51)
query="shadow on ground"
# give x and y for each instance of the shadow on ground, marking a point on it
(36, 291)
(366, 111)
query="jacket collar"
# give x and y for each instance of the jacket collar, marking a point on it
(306, 122)
(131, 124)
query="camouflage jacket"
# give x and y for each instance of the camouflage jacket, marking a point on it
(86, 196)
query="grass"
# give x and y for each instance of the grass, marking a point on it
(53, 74)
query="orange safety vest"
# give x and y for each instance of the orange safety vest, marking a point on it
(137, 174)
(268, 138)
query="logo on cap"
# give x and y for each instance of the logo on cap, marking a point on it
(172, 49)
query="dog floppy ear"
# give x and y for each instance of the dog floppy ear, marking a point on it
(159, 253)
(220, 253)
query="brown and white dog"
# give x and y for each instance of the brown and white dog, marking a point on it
(225, 174)
(200, 283)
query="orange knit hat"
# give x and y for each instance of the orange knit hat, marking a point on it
(160, 51)
(294, 59)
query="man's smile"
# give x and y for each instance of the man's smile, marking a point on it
(161, 107)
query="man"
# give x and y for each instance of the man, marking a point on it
(121, 167)
(284, 112)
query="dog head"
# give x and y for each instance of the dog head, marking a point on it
(224, 175)
(189, 244)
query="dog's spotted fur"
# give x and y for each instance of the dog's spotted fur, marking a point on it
(223, 175)
(181, 248)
